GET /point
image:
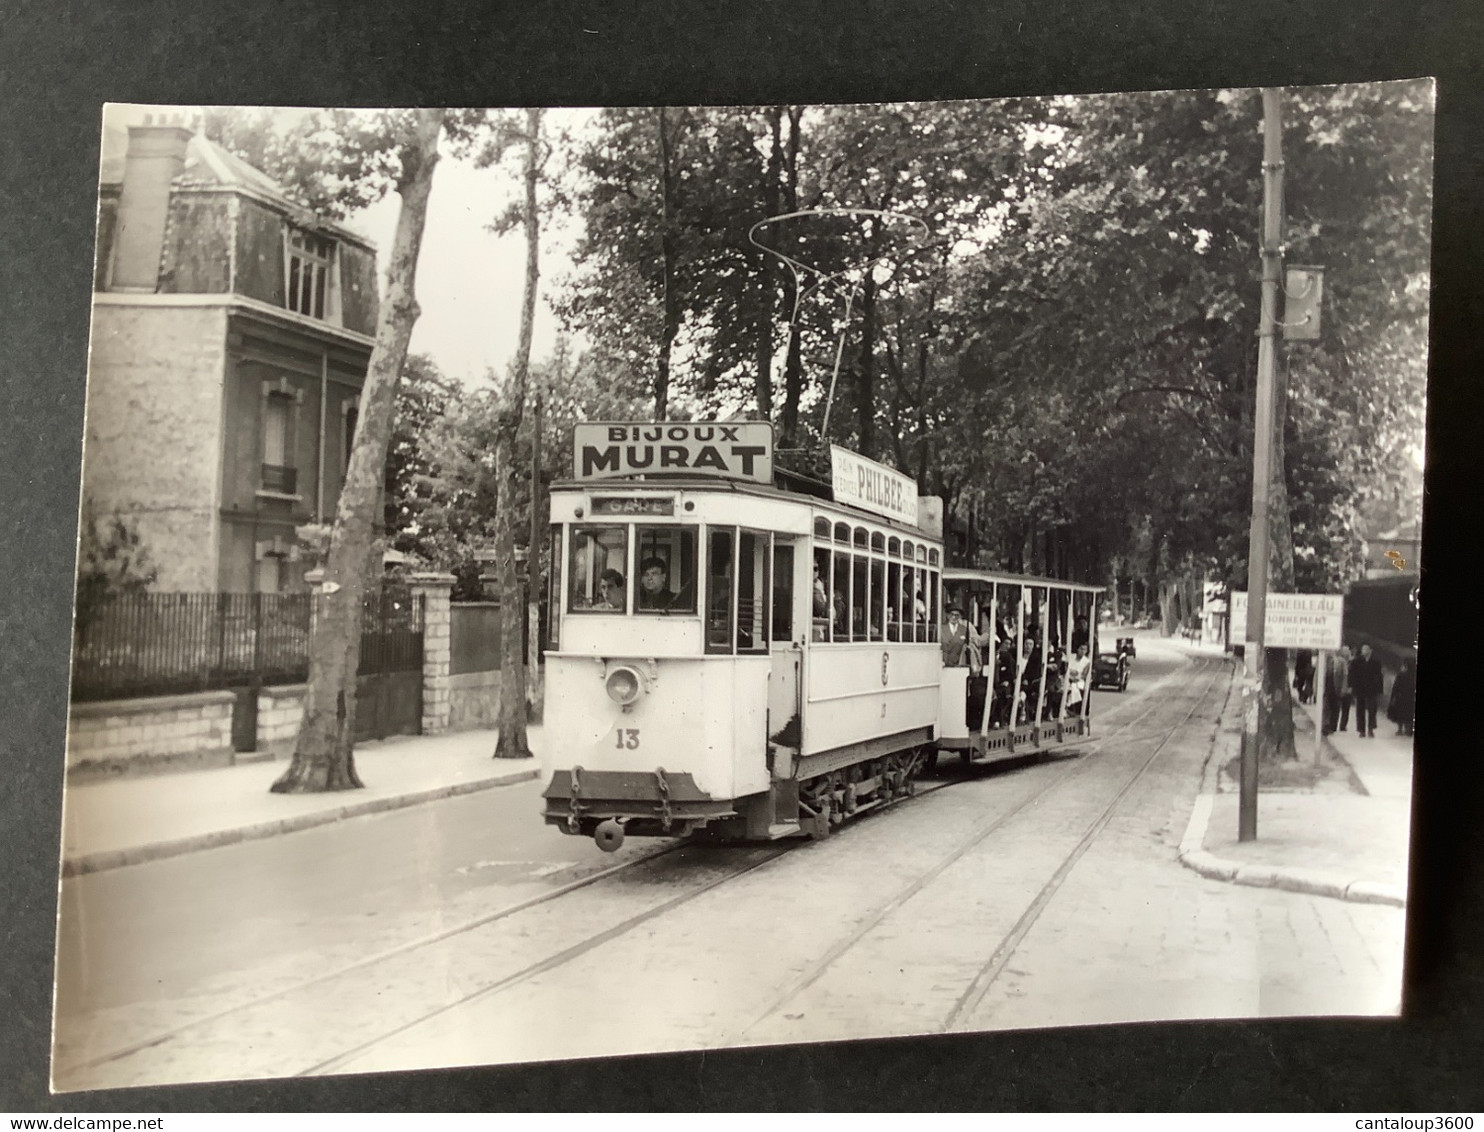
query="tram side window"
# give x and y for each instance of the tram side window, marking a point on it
(894, 601)
(719, 591)
(860, 596)
(554, 590)
(935, 615)
(665, 560)
(919, 605)
(783, 592)
(878, 598)
(820, 597)
(596, 566)
(752, 592)
(840, 598)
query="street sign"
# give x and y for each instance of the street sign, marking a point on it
(1294, 621)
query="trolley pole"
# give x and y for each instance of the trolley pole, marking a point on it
(1262, 460)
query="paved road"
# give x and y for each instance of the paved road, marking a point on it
(1042, 894)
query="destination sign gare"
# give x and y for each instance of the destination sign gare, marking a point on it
(741, 450)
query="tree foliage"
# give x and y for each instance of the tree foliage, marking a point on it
(1070, 363)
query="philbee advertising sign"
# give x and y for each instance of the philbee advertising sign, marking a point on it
(741, 450)
(1294, 621)
(873, 487)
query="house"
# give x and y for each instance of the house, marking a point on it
(232, 329)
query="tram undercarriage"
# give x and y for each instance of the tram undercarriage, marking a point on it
(609, 805)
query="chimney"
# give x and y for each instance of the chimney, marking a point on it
(156, 156)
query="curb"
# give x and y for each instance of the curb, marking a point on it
(140, 854)
(1311, 882)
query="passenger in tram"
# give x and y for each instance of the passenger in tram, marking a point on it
(1078, 669)
(1080, 634)
(1054, 683)
(610, 591)
(957, 635)
(962, 643)
(1030, 678)
(1004, 684)
(654, 584)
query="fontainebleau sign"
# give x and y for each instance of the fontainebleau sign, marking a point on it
(873, 487)
(1294, 621)
(740, 450)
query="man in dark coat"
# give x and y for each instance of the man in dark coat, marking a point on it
(1401, 708)
(1365, 685)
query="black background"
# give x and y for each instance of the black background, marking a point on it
(60, 59)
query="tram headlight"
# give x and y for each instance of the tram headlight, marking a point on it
(623, 685)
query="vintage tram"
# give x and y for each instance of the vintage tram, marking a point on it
(729, 656)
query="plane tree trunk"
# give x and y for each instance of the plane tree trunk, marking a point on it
(323, 759)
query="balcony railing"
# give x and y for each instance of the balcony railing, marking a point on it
(279, 479)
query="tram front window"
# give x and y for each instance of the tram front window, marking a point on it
(599, 556)
(665, 561)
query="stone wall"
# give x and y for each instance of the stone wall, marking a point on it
(156, 731)
(279, 711)
(152, 453)
(473, 700)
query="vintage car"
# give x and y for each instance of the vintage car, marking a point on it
(1110, 670)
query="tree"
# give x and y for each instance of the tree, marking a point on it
(323, 757)
(111, 560)
(510, 405)
(439, 510)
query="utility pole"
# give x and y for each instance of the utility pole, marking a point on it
(1264, 423)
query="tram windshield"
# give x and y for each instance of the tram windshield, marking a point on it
(666, 565)
(664, 568)
(597, 565)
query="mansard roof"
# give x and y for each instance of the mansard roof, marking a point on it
(209, 165)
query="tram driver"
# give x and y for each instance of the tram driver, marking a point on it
(654, 584)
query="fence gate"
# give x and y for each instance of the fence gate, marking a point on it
(389, 682)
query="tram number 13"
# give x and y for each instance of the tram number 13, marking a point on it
(627, 738)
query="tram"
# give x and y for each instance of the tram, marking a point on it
(737, 652)
(1030, 685)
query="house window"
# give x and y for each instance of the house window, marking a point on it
(308, 264)
(352, 415)
(280, 408)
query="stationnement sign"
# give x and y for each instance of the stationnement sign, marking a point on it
(1294, 621)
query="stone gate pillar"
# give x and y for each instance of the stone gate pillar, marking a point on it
(436, 589)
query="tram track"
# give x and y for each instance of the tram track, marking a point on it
(756, 859)
(984, 978)
(588, 945)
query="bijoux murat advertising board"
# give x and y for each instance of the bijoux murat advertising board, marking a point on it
(739, 450)
(873, 487)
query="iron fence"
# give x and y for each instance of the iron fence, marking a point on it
(151, 644)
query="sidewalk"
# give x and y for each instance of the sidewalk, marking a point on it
(1345, 834)
(127, 821)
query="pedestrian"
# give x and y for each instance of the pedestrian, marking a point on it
(1401, 708)
(1365, 685)
(1337, 691)
(1303, 676)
